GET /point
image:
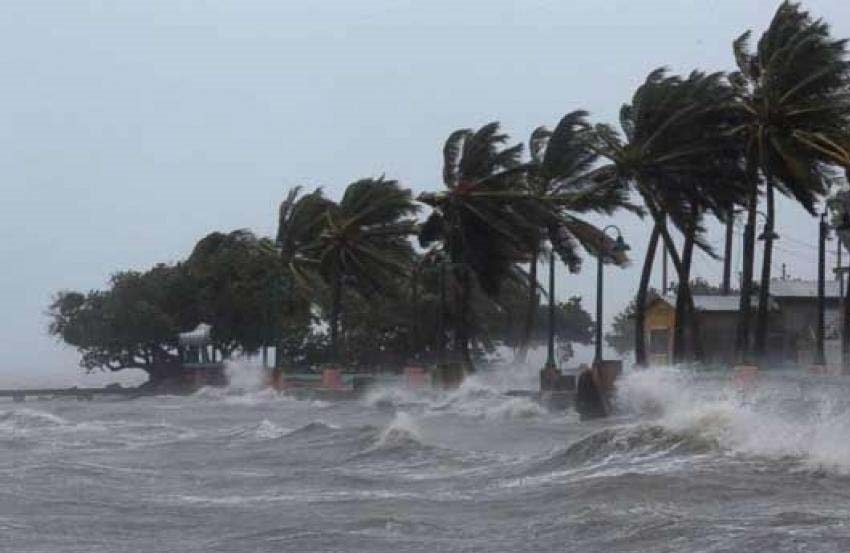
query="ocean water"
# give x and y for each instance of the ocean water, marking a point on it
(690, 463)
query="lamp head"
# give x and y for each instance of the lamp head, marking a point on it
(620, 245)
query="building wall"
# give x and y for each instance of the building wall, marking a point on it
(659, 316)
(718, 330)
(799, 319)
(790, 338)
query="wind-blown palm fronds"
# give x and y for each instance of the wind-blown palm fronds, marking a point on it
(363, 243)
(793, 106)
(558, 177)
(676, 151)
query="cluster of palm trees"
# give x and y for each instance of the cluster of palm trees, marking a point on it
(690, 148)
(495, 215)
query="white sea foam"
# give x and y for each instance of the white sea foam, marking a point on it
(400, 431)
(765, 421)
(481, 396)
(267, 430)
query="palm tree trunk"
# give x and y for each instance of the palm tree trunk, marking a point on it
(531, 308)
(742, 343)
(336, 304)
(764, 289)
(682, 311)
(413, 342)
(684, 284)
(640, 300)
(462, 330)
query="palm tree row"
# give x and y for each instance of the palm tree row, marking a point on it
(690, 148)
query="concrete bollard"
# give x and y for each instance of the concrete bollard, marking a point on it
(745, 375)
(591, 402)
(415, 377)
(332, 378)
(447, 376)
(606, 372)
(273, 378)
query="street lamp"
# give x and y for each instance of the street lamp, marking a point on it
(620, 246)
(550, 357)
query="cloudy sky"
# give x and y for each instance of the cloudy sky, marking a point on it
(130, 129)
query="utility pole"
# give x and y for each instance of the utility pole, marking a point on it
(838, 272)
(784, 272)
(663, 269)
(820, 355)
(727, 254)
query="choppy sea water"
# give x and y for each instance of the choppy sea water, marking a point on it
(690, 463)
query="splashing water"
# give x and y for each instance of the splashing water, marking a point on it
(788, 419)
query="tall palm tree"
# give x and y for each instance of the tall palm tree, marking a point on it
(559, 173)
(477, 219)
(301, 220)
(794, 108)
(674, 153)
(363, 243)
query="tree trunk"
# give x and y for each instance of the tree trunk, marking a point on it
(764, 289)
(640, 300)
(462, 330)
(684, 284)
(845, 333)
(727, 253)
(683, 314)
(742, 342)
(531, 308)
(441, 317)
(336, 304)
(414, 323)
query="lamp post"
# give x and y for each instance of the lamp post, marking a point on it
(823, 228)
(550, 356)
(619, 247)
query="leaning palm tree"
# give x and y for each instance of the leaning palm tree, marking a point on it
(301, 221)
(363, 243)
(476, 219)
(559, 172)
(674, 152)
(794, 108)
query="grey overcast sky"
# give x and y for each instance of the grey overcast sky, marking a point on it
(130, 129)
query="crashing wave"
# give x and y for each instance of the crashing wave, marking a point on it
(793, 420)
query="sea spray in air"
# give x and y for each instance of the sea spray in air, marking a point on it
(794, 420)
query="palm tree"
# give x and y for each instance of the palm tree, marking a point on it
(794, 109)
(301, 221)
(559, 171)
(363, 243)
(675, 154)
(477, 219)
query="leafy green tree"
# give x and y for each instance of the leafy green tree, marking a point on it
(573, 324)
(794, 110)
(133, 324)
(622, 335)
(239, 280)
